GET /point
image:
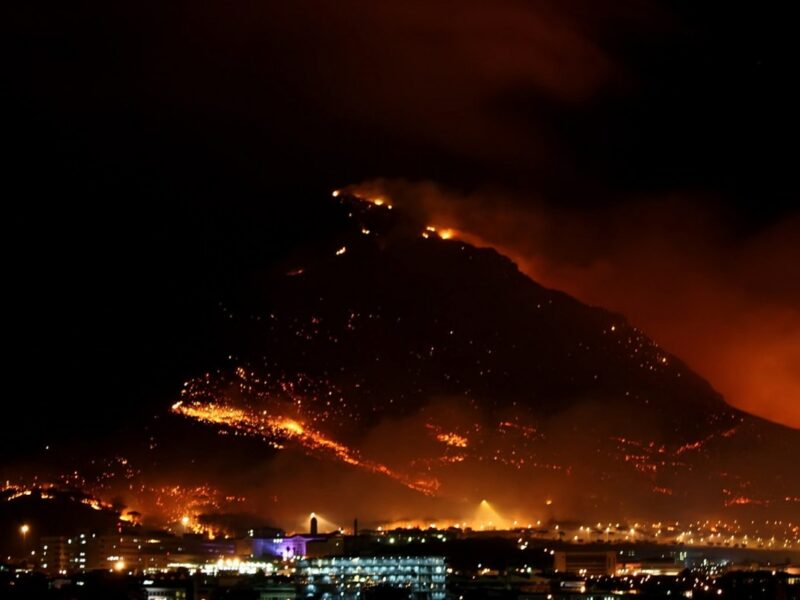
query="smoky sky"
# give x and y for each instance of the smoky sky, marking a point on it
(726, 304)
(641, 150)
(576, 100)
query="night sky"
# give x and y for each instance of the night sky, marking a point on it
(640, 155)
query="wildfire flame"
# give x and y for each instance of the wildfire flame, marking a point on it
(276, 428)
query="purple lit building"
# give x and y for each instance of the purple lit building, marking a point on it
(297, 546)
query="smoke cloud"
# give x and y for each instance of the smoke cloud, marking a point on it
(725, 302)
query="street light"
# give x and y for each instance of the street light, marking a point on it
(24, 529)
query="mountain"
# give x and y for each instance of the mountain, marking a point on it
(444, 365)
(402, 373)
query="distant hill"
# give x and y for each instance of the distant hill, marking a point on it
(53, 512)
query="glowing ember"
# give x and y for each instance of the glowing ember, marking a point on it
(452, 439)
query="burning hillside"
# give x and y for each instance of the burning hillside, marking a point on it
(404, 375)
(410, 355)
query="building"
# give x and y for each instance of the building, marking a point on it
(664, 566)
(116, 551)
(282, 547)
(585, 563)
(329, 545)
(197, 548)
(346, 578)
(296, 546)
(60, 555)
(129, 553)
(160, 591)
(276, 591)
(242, 586)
